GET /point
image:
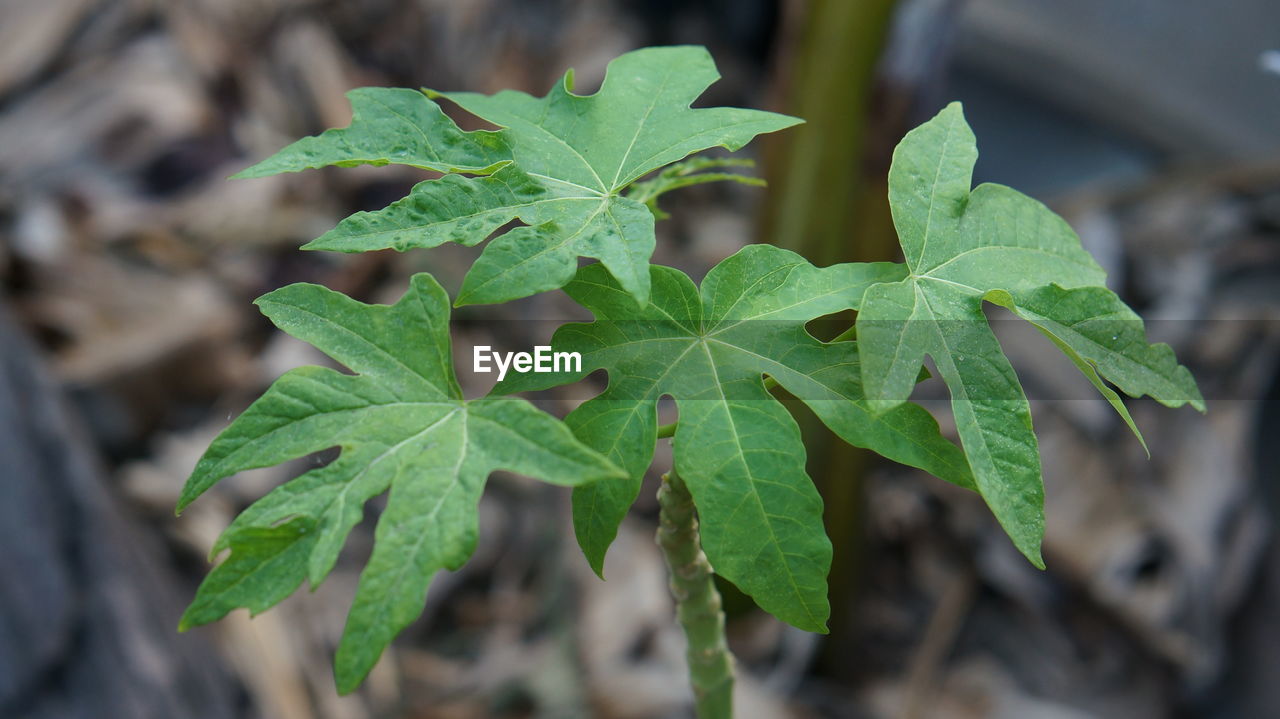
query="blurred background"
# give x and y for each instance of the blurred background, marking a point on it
(128, 340)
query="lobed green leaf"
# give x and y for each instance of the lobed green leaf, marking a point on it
(738, 450)
(991, 243)
(574, 157)
(403, 426)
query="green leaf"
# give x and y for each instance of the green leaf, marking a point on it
(391, 126)
(992, 243)
(402, 425)
(639, 121)
(736, 447)
(574, 156)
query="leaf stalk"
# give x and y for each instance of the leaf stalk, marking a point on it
(698, 605)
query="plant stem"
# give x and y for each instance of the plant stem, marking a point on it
(698, 605)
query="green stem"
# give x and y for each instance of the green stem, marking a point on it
(697, 601)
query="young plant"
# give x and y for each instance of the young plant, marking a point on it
(737, 501)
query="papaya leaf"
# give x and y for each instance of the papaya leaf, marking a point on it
(736, 447)
(402, 425)
(575, 155)
(992, 243)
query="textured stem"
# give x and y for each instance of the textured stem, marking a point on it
(697, 601)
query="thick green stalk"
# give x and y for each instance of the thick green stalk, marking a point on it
(819, 197)
(697, 601)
